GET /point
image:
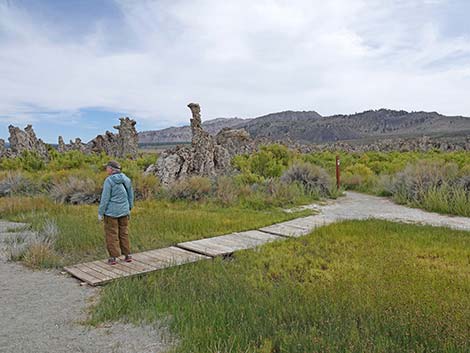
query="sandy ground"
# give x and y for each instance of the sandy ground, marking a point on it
(42, 311)
(361, 206)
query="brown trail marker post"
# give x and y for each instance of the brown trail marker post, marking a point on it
(338, 173)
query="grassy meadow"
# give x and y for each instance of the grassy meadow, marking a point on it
(154, 224)
(358, 286)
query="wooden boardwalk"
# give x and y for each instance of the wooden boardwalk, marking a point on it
(99, 272)
(228, 244)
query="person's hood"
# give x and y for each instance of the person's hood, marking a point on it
(117, 178)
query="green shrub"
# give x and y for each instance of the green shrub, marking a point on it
(75, 190)
(18, 183)
(284, 194)
(193, 188)
(434, 186)
(227, 190)
(314, 180)
(146, 186)
(270, 161)
(28, 161)
(419, 178)
(358, 176)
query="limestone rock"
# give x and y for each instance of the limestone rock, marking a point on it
(236, 141)
(4, 152)
(78, 145)
(127, 138)
(207, 156)
(173, 165)
(123, 144)
(61, 146)
(21, 141)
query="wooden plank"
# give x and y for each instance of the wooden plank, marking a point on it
(182, 256)
(139, 266)
(122, 266)
(112, 268)
(256, 234)
(211, 243)
(148, 260)
(102, 277)
(187, 254)
(104, 271)
(232, 241)
(293, 224)
(227, 244)
(246, 242)
(205, 248)
(204, 244)
(285, 231)
(163, 256)
(83, 276)
(165, 253)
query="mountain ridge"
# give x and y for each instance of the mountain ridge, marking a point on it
(311, 127)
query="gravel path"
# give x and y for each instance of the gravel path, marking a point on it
(360, 206)
(42, 311)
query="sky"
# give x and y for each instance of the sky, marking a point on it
(73, 67)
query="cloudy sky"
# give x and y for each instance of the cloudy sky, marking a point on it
(73, 67)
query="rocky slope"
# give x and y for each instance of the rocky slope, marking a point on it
(311, 127)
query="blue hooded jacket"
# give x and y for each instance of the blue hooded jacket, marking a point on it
(117, 198)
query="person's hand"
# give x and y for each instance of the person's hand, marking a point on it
(100, 217)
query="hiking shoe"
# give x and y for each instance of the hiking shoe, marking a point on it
(112, 261)
(128, 258)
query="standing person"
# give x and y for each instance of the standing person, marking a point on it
(117, 200)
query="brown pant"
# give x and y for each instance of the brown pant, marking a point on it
(117, 235)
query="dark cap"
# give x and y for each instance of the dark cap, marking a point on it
(114, 165)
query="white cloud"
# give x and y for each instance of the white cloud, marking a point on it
(237, 58)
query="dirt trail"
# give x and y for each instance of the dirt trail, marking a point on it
(41, 311)
(360, 206)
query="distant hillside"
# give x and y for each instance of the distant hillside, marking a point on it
(183, 133)
(311, 127)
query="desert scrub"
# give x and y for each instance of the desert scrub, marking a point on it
(192, 188)
(35, 249)
(75, 191)
(357, 286)
(154, 223)
(313, 180)
(269, 162)
(434, 186)
(16, 183)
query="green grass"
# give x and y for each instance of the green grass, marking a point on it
(154, 224)
(358, 286)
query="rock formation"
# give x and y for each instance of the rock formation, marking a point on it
(3, 150)
(207, 156)
(127, 138)
(123, 144)
(22, 141)
(61, 146)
